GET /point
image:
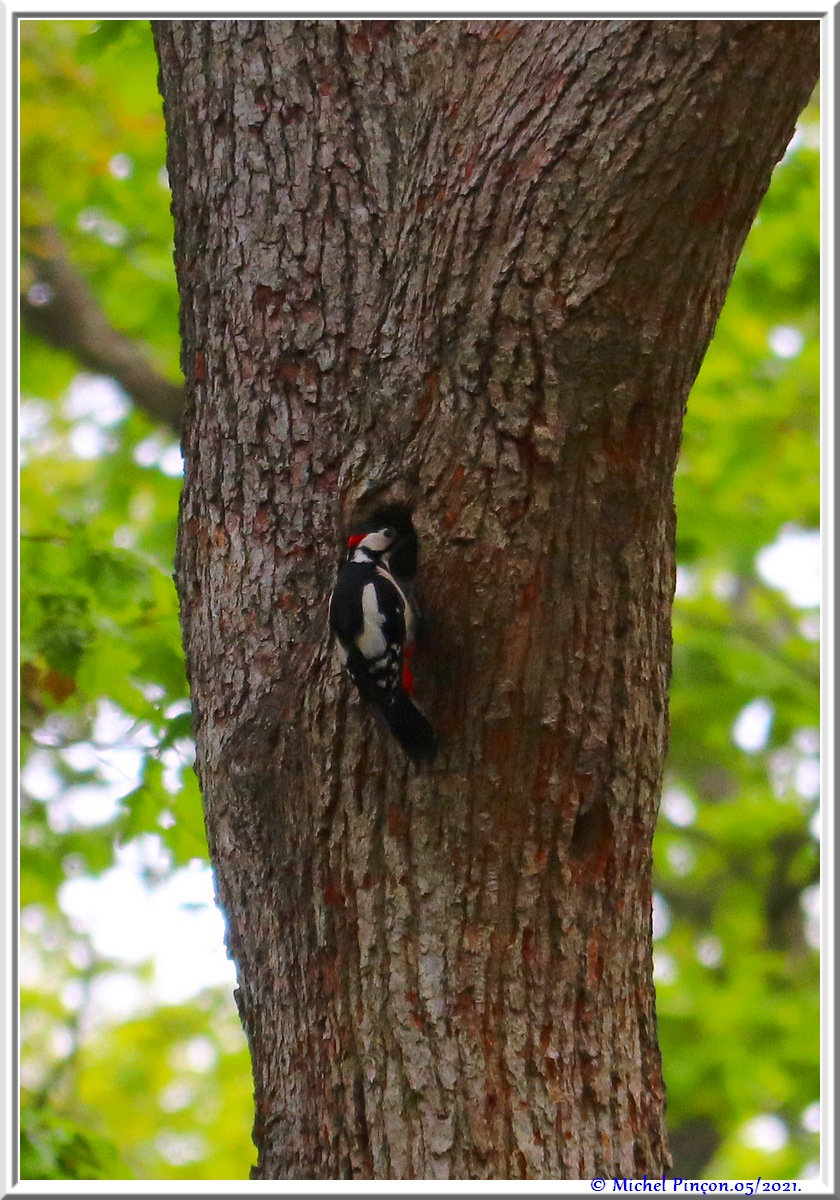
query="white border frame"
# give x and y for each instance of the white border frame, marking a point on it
(8, 657)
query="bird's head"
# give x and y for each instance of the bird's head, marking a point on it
(372, 545)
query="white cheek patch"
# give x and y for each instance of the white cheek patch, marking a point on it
(372, 640)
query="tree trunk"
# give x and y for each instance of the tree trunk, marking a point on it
(473, 265)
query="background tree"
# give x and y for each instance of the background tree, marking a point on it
(88, 94)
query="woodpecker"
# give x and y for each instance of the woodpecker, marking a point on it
(405, 552)
(374, 619)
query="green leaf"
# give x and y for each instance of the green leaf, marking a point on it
(52, 1148)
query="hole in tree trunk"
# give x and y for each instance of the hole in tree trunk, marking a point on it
(593, 832)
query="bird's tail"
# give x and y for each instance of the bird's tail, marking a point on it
(410, 727)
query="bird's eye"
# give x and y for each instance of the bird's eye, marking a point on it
(389, 533)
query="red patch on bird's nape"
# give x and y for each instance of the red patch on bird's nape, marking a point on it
(354, 539)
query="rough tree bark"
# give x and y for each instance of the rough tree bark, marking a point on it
(475, 265)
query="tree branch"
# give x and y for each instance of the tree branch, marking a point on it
(65, 314)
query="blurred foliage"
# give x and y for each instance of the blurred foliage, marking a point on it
(54, 1149)
(92, 168)
(163, 1092)
(102, 676)
(737, 850)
